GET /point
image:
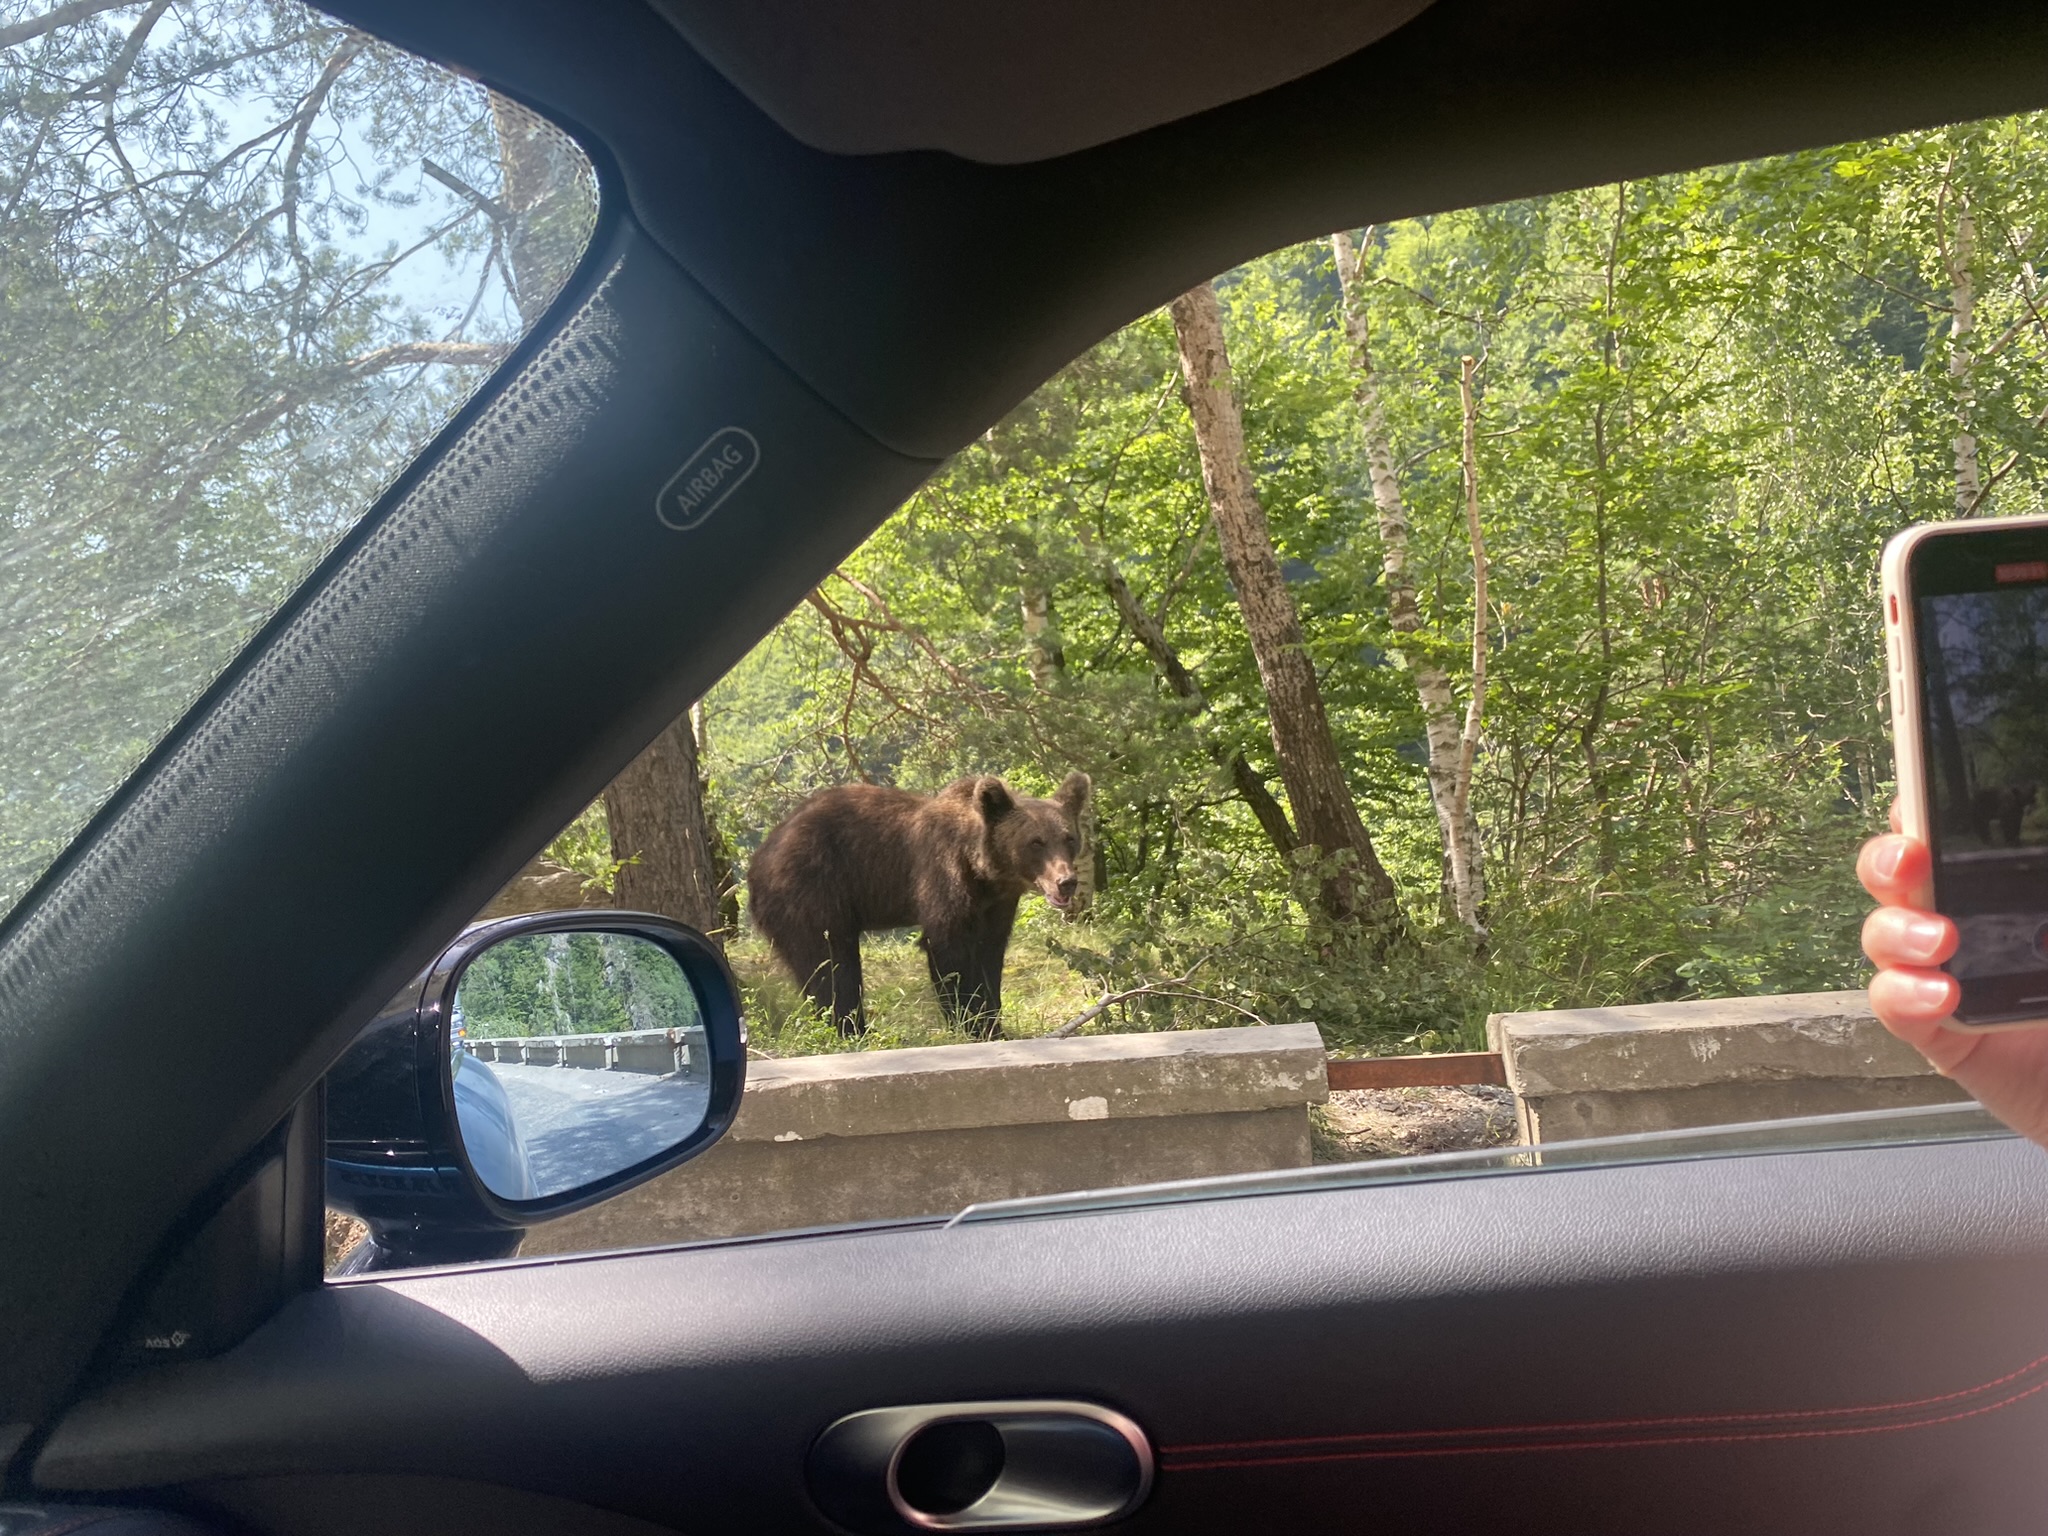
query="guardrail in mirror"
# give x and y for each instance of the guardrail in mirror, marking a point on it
(655, 1052)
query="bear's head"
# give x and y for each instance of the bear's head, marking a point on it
(1031, 844)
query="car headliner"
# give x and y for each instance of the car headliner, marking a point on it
(192, 964)
(1009, 83)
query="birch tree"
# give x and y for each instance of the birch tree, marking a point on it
(1468, 869)
(1959, 254)
(1450, 778)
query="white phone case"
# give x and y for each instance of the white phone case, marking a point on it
(1902, 658)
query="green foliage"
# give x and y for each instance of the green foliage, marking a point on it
(573, 984)
(1705, 401)
(585, 845)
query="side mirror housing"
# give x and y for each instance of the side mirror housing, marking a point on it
(541, 1064)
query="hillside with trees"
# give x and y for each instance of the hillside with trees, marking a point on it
(1471, 613)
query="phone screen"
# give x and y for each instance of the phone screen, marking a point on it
(1981, 618)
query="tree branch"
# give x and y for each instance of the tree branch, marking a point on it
(1172, 987)
(1251, 788)
(917, 637)
(493, 209)
(307, 115)
(36, 26)
(124, 62)
(849, 635)
(406, 354)
(252, 423)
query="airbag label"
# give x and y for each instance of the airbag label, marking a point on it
(707, 477)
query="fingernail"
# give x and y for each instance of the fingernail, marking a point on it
(1920, 937)
(1930, 992)
(1886, 861)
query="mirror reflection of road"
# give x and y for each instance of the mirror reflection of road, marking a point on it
(582, 1123)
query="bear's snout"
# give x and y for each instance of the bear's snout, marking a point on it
(1057, 885)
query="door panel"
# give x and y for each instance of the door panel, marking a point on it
(1801, 1342)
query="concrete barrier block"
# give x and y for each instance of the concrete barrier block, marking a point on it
(1580, 1072)
(586, 1051)
(540, 1051)
(649, 1051)
(692, 1054)
(1034, 1082)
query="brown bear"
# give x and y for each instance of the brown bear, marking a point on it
(859, 857)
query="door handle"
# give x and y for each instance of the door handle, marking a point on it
(1017, 1465)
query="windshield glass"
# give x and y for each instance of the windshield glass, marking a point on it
(251, 261)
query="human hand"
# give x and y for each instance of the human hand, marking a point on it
(2004, 1070)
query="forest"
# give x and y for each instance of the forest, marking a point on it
(572, 984)
(1468, 613)
(1576, 503)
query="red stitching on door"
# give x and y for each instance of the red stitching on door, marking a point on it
(1374, 1446)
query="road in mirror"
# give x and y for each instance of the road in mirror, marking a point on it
(575, 1056)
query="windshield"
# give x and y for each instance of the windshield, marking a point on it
(251, 261)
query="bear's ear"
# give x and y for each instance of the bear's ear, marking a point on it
(993, 799)
(1074, 793)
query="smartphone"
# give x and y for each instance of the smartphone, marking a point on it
(1966, 643)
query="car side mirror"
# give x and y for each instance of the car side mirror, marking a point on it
(541, 1064)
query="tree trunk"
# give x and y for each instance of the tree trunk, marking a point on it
(1042, 651)
(656, 812)
(1357, 889)
(1962, 360)
(1463, 863)
(723, 864)
(1087, 866)
(1468, 861)
(1605, 851)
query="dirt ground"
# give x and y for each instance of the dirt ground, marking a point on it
(1405, 1122)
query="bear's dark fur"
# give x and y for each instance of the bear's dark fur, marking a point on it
(861, 857)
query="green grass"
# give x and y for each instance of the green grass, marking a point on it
(1040, 993)
(1429, 996)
